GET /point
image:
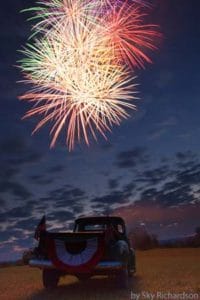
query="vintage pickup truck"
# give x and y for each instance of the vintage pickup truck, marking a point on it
(97, 246)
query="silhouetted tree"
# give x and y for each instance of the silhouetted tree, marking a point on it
(197, 237)
(142, 239)
(197, 230)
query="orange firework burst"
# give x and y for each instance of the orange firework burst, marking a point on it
(75, 65)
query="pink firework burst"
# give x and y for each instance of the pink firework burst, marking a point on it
(129, 36)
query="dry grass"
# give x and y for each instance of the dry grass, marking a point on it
(165, 270)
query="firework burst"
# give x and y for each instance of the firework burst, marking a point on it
(128, 36)
(77, 62)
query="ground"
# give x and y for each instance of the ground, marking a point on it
(164, 270)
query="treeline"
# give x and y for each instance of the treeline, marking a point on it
(141, 239)
(11, 263)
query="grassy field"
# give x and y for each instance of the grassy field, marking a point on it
(165, 270)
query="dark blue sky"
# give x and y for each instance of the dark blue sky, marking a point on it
(152, 158)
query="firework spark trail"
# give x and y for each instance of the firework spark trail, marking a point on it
(78, 62)
(129, 36)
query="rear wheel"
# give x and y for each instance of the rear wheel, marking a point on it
(131, 263)
(122, 279)
(83, 277)
(130, 272)
(50, 278)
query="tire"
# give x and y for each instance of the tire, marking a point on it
(130, 273)
(131, 270)
(50, 278)
(122, 279)
(131, 263)
(83, 277)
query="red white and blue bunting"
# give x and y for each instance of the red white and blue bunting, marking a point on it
(81, 261)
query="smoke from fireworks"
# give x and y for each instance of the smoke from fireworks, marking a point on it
(80, 60)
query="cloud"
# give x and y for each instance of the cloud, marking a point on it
(66, 194)
(2, 203)
(154, 176)
(186, 159)
(157, 134)
(15, 188)
(191, 176)
(115, 197)
(28, 224)
(129, 188)
(5, 235)
(171, 121)
(17, 213)
(26, 158)
(16, 151)
(55, 169)
(113, 183)
(77, 209)
(13, 235)
(185, 156)
(13, 145)
(7, 171)
(172, 184)
(131, 158)
(162, 128)
(61, 216)
(41, 180)
(101, 209)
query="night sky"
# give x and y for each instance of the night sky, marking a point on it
(149, 169)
